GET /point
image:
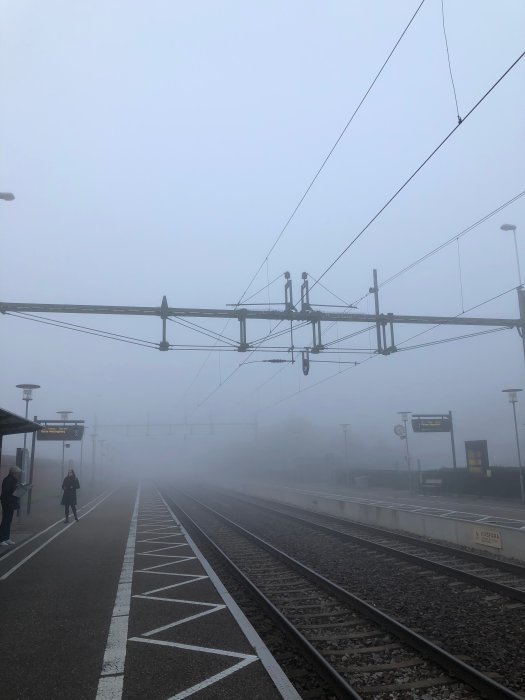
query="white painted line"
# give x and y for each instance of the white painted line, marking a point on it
(115, 652)
(160, 539)
(180, 560)
(110, 687)
(166, 588)
(246, 660)
(60, 532)
(42, 532)
(166, 556)
(153, 552)
(213, 609)
(213, 679)
(277, 675)
(190, 578)
(193, 647)
(161, 527)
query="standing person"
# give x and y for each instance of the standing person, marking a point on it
(70, 486)
(10, 503)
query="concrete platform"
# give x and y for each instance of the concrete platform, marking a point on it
(123, 605)
(487, 525)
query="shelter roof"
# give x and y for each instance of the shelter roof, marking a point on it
(11, 424)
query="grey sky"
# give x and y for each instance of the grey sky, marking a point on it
(159, 147)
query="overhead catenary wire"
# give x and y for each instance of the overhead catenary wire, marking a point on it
(203, 331)
(374, 356)
(452, 339)
(451, 240)
(460, 272)
(331, 151)
(219, 386)
(315, 177)
(466, 311)
(419, 168)
(83, 329)
(448, 59)
(454, 239)
(316, 384)
(441, 246)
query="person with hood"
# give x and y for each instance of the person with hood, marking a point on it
(10, 503)
(69, 499)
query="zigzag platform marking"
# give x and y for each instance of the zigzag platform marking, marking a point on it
(152, 552)
(150, 524)
(162, 527)
(155, 519)
(162, 537)
(157, 541)
(191, 578)
(246, 659)
(152, 569)
(212, 608)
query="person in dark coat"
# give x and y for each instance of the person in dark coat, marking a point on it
(69, 499)
(10, 503)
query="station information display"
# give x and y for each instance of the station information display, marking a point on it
(61, 432)
(431, 423)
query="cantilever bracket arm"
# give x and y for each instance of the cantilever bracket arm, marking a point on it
(164, 345)
(243, 344)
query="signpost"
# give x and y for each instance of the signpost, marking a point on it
(58, 431)
(477, 456)
(61, 432)
(436, 423)
(432, 424)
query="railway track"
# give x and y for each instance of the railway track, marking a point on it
(361, 651)
(502, 577)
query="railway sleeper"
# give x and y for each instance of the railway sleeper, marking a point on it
(411, 685)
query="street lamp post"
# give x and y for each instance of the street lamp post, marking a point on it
(511, 227)
(27, 396)
(513, 398)
(7, 196)
(404, 417)
(64, 415)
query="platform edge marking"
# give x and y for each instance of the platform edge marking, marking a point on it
(115, 652)
(275, 672)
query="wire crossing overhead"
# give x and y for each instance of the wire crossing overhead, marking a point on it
(302, 312)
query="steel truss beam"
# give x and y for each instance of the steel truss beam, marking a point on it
(289, 313)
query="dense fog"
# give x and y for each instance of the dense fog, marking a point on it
(164, 149)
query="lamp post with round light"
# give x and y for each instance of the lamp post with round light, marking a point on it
(404, 417)
(513, 398)
(512, 227)
(27, 396)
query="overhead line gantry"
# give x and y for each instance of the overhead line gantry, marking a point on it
(384, 323)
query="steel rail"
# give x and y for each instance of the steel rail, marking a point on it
(457, 668)
(481, 559)
(480, 581)
(340, 687)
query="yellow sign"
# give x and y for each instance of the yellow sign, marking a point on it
(488, 537)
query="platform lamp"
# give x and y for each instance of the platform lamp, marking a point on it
(405, 415)
(27, 396)
(64, 415)
(512, 227)
(513, 398)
